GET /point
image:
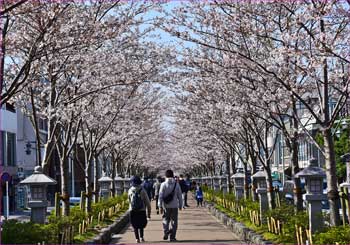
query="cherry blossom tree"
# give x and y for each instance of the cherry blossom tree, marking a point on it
(307, 41)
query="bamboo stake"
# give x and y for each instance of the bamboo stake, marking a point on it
(301, 235)
(297, 234)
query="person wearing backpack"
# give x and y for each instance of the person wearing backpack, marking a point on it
(170, 201)
(138, 202)
(199, 195)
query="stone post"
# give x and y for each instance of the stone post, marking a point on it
(216, 183)
(238, 180)
(119, 185)
(126, 184)
(260, 178)
(314, 193)
(105, 186)
(223, 184)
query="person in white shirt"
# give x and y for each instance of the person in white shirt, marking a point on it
(170, 201)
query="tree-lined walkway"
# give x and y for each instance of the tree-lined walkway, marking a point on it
(196, 225)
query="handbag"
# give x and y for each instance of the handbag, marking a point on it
(170, 196)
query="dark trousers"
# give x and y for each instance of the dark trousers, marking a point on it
(170, 216)
(156, 198)
(199, 201)
(138, 233)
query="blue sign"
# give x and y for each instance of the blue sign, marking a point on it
(5, 177)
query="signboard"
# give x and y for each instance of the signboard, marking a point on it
(5, 177)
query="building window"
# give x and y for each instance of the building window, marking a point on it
(10, 107)
(42, 124)
(8, 151)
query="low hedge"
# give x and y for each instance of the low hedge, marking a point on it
(285, 214)
(15, 232)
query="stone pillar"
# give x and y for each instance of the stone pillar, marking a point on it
(263, 202)
(216, 183)
(126, 184)
(119, 185)
(238, 180)
(314, 193)
(223, 184)
(260, 177)
(105, 186)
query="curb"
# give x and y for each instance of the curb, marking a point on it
(105, 235)
(245, 234)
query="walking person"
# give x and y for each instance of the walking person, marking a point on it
(156, 188)
(138, 202)
(199, 196)
(170, 201)
(147, 185)
(184, 190)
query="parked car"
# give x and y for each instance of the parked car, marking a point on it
(277, 183)
(73, 201)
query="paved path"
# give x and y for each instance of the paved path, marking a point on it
(196, 226)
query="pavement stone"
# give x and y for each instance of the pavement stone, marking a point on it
(196, 226)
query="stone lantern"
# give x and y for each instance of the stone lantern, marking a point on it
(346, 159)
(205, 181)
(238, 180)
(119, 185)
(127, 184)
(260, 178)
(105, 186)
(38, 183)
(314, 196)
(223, 183)
(216, 183)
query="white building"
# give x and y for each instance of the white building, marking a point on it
(17, 155)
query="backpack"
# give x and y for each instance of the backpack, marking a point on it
(136, 200)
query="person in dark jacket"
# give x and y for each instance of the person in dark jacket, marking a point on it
(147, 185)
(199, 196)
(184, 190)
(138, 218)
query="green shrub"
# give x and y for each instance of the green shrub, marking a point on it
(15, 232)
(339, 234)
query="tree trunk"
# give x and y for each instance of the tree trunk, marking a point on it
(49, 146)
(88, 184)
(114, 173)
(298, 198)
(228, 171)
(333, 195)
(36, 129)
(65, 185)
(270, 191)
(96, 177)
(246, 183)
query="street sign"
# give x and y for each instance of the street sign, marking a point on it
(5, 177)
